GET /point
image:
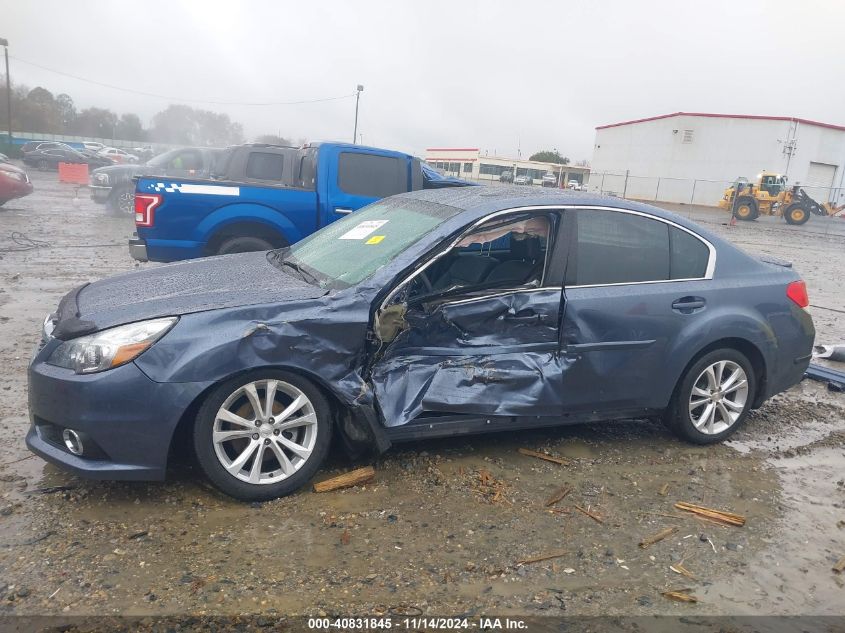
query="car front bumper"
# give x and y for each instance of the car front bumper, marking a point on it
(138, 249)
(126, 419)
(99, 193)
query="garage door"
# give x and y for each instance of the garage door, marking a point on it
(819, 181)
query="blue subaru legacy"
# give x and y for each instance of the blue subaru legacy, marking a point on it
(426, 314)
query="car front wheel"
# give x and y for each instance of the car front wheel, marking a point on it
(263, 435)
(714, 397)
(122, 201)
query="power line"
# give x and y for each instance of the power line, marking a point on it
(167, 98)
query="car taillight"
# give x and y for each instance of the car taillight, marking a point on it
(797, 291)
(145, 206)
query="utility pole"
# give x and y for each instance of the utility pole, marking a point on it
(357, 98)
(5, 44)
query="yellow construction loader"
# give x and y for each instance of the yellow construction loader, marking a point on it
(770, 195)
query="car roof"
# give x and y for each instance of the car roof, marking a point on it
(478, 201)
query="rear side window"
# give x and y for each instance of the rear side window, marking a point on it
(618, 248)
(265, 166)
(371, 176)
(689, 255)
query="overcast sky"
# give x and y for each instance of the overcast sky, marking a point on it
(492, 75)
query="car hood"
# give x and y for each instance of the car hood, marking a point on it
(175, 289)
(11, 168)
(126, 169)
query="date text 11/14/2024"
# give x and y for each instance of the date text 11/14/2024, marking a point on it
(415, 623)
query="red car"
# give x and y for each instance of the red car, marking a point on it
(14, 183)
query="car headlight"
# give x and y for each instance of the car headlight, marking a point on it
(110, 348)
(100, 179)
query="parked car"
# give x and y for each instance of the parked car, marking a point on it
(113, 185)
(32, 146)
(425, 314)
(523, 179)
(267, 196)
(574, 184)
(506, 176)
(45, 159)
(14, 183)
(4, 158)
(550, 179)
(118, 155)
(93, 146)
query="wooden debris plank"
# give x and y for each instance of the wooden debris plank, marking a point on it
(654, 538)
(722, 516)
(839, 567)
(680, 595)
(593, 516)
(538, 455)
(559, 494)
(542, 557)
(346, 480)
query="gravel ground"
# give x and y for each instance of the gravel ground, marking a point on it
(446, 523)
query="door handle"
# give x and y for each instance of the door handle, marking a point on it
(340, 211)
(687, 305)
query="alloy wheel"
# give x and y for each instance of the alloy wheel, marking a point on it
(719, 396)
(265, 431)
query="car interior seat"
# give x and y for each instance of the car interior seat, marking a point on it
(527, 256)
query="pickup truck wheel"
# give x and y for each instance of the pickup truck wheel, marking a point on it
(713, 398)
(262, 435)
(243, 245)
(122, 201)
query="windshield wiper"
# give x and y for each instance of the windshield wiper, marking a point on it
(306, 276)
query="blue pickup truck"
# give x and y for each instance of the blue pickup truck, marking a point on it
(259, 197)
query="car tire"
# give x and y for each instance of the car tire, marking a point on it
(701, 411)
(218, 456)
(243, 245)
(796, 214)
(43, 165)
(122, 200)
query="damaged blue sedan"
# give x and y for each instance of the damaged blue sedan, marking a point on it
(426, 314)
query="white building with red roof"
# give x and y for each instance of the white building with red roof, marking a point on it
(691, 157)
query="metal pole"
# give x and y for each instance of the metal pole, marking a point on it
(357, 98)
(625, 188)
(657, 190)
(8, 92)
(601, 186)
(692, 197)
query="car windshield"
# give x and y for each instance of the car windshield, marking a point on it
(162, 159)
(353, 248)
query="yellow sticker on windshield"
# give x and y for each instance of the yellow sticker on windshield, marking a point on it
(375, 239)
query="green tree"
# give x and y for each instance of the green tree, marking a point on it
(184, 125)
(96, 122)
(550, 156)
(41, 112)
(67, 110)
(273, 139)
(129, 128)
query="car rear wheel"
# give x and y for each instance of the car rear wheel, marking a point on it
(122, 201)
(713, 398)
(262, 436)
(43, 165)
(243, 245)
